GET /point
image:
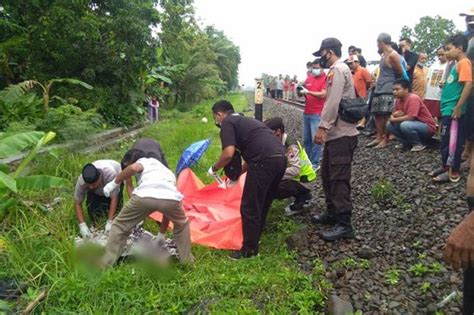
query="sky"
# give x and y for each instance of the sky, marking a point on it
(277, 36)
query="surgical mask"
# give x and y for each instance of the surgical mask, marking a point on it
(316, 72)
(421, 64)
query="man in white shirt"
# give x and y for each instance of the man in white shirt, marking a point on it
(156, 189)
(435, 75)
(89, 186)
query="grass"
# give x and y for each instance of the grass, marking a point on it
(38, 248)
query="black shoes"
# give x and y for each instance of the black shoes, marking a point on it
(338, 232)
(324, 218)
(239, 254)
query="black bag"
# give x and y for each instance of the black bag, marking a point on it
(234, 168)
(353, 109)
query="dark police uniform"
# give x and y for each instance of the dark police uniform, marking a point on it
(266, 160)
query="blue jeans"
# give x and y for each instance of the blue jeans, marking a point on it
(310, 126)
(412, 132)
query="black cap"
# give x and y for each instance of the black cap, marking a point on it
(328, 43)
(275, 123)
(90, 173)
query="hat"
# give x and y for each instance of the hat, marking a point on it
(353, 58)
(328, 43)
(275, 123)
(469, 12)
(90, 173)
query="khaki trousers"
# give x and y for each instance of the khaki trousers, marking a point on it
(136, 210)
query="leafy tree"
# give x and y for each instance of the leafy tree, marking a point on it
(429, 33)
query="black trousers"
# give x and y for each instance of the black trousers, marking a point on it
(279, 94)
(260, 187)
(468, 292)
(336, 170)
(291, 188)
(98, 206)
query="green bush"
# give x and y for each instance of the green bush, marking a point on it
(71, 123)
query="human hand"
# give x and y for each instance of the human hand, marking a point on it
(304, 91)
(84, 229)
(320, 136)
(459, 250)
(457, 112)
(398, 113)
(108, 226)
(211, 172)
(109, 188)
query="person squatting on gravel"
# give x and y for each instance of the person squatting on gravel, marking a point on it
(459, 251)
(340, 140)
(155, 191)
(265, 163)
(90, 186)
(411, 121)
(299, 174)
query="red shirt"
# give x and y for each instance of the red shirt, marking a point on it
(314, 105)
(414, 107)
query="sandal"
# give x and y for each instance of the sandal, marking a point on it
(437, 172)
(373, 143)
(454, 179)
(442, 178)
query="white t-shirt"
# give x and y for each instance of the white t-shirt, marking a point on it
(435, 75)
(156, 181)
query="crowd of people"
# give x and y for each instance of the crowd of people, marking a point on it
(405, 100)
(283, 87)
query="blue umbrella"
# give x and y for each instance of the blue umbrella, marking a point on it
(192, 154)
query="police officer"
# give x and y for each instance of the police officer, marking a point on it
(299, 174)
(265, 163)
(90, 186)
(340, 139)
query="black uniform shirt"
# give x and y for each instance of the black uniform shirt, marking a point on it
(251, 137)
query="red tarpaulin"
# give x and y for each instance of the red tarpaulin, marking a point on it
(213, 212)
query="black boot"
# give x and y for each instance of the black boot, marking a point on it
(324, 218)
(470, 203)
(342, 229)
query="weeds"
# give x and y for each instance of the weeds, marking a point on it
(392, 276)
(382, 191)
(419, 269)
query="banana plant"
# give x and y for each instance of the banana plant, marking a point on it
(12, 184)
(13, 92)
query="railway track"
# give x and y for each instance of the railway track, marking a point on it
(298, 104)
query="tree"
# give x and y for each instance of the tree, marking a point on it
(429, 33)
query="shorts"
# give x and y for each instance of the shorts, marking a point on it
(433, 107)
(382, 104)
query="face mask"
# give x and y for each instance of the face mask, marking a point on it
(323, 62)
(316, 72)
(421, 64)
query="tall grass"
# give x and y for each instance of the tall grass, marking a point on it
(40, 249)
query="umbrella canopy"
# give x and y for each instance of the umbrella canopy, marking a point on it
(192, 154)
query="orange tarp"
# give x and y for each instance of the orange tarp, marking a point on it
(213, 212)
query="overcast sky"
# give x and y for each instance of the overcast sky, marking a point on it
(279, 36)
